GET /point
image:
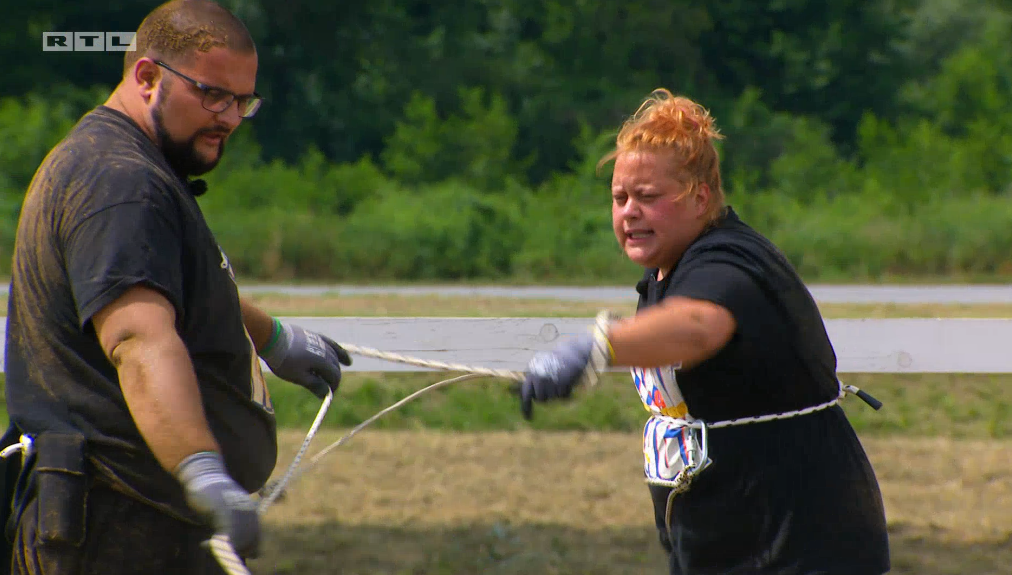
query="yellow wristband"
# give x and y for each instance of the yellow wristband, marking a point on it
(601, 324)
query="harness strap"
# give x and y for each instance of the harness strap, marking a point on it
(698, 461)
(844, 390)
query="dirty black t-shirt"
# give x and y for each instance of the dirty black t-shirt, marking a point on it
(105, 212)
(788, 497)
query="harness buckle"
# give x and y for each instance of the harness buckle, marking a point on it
(676, 451)
(26, 446)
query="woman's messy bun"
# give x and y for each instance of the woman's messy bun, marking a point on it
(665, 122)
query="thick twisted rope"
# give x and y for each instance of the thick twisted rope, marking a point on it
(316, 458)
(267, 501)
(598, 356)
(219, 544)
(519, 376)
(431, 364)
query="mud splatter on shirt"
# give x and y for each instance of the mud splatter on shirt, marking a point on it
(105, 212)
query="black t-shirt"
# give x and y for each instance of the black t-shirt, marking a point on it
(105, 212)
(793, 496)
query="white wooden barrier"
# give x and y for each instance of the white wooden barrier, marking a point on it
(862, 345)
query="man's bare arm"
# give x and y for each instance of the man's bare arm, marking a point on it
(137, 333)
(259, 323)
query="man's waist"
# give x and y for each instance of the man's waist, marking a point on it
(164, 493)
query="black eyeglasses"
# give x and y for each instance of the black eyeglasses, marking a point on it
(218, 100)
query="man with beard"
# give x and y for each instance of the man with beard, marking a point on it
(131, 360)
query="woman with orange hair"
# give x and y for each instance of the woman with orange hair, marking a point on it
(752, 466)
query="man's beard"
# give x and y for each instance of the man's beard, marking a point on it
(182, 156)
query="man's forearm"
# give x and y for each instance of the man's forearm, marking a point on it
(259, 324)
(161, 391)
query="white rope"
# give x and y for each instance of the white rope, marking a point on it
(418, 362)
(519, 376)
(316, 458)
(694, 423)
(226, 556)
(233, 564)
(219, 544)
(276, 490)
(267, 501)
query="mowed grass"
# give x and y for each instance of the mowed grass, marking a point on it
(422, 501)
(958, 406)
(974, 406)
(390, 305)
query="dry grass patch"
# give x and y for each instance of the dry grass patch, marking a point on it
(527, 502)
(893, 310)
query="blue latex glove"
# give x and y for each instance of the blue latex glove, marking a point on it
(554, 374)
(211, 492)
(305, 358)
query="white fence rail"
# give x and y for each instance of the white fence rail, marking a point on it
(862, 345)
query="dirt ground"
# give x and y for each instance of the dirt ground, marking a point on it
(404, 502)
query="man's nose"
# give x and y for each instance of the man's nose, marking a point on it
(230, 117)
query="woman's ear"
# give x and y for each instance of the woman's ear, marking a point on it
(701, 198)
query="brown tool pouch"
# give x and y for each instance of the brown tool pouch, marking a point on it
(61, 482)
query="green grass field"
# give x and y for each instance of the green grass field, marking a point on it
(922, 405)
(959, 406)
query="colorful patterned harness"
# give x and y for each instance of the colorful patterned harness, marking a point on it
(675, 445)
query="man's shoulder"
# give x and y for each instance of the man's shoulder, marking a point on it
(104, 160)
(110, 141)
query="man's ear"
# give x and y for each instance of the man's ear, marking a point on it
(147, 75)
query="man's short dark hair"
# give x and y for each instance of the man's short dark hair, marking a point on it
(177, 29)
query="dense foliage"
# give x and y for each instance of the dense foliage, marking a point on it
(458, 140)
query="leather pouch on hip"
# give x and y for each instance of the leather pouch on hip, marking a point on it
(62, 483)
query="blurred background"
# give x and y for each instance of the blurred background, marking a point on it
(457, 140)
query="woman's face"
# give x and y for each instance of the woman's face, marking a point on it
(654, 220)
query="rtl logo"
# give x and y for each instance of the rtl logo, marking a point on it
(88, 41)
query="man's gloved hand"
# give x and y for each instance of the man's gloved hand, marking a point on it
(306, 358)
(213, 493)
(554, 374)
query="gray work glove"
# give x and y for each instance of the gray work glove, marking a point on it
(305, 358)
(554, 374)
(211, 492)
